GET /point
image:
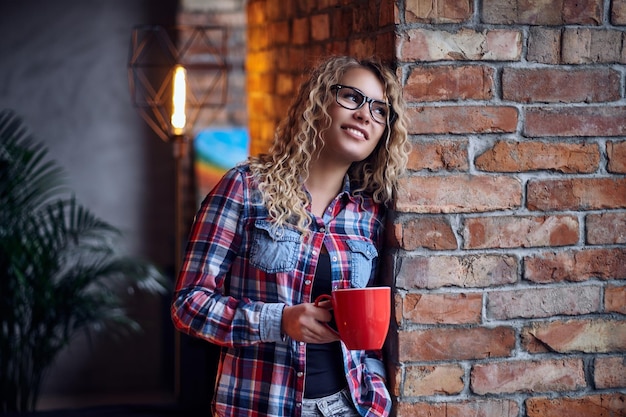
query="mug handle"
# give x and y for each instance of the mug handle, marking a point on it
(319, 299)
(322, 297)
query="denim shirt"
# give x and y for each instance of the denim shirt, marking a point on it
(239, 273)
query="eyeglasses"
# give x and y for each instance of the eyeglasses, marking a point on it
(352, 99)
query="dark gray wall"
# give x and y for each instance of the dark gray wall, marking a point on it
(63, 68)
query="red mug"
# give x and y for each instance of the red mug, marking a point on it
(362, 315)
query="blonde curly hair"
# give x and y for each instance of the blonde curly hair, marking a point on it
(282, 171)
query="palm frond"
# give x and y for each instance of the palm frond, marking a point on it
(60, 272)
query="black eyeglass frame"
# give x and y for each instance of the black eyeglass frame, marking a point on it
(391, 116)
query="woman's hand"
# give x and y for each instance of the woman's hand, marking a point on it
(307, 323)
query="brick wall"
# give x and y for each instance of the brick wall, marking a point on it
(511, 225)
(508, 246)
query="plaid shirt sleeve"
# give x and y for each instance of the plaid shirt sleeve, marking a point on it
(201, 307)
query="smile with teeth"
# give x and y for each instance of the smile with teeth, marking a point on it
(355, 132)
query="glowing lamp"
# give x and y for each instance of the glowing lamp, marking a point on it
(179, 97)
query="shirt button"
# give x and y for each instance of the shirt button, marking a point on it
(314, 252)
(334, 259)
(307, 282)
(322, 229)
(298, 404)
(301, 343)
(300, 374)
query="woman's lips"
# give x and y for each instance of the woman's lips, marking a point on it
(355, 131)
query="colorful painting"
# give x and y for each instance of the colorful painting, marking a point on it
(216, 151)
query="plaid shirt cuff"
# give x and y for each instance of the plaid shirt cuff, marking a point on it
(271, 318)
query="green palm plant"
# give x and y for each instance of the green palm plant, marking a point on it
(59, 270)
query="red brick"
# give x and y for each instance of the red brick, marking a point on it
(576, 265)
(462, 119)
(514, 12)
(362, 47)
(610, 372)
(471, 271)
(606, 228)
(575, 121)
(276, 10)
(616, 154)
(278, 32)
(264, 137)
(337, 47)
(588, 46)
(475, 408)
(425, 232)
(455, 344)
(448, 155)
(303, 7)
(463, 45)
(394, 379)
(320, 28)
(285, 84)
(441, 83)
(442, 308)
(576, 194)
(257, 39)
(386, 15)
(382, 42)
(258, 62)
(258, 104)
(531, 344)
(281, 106)
(342, 23)
(544, 45)
(365, 21)
(528, 376)
(508, 156)
(298, 60)
(397, 304)
(615, 299)
(256, 13)
(603, 405)
(427, 11)
(549, 85)
(586, 335)
(433, 380)
(258, 83)
(519, 231)
(301, 30)
(618, 12)
(543, 302)
(586, 12)
(458, 194)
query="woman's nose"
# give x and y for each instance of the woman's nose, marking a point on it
(362, 113)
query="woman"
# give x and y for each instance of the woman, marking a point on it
(286, 226)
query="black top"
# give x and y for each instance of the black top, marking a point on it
(325, 373)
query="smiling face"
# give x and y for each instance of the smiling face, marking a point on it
(353, 134)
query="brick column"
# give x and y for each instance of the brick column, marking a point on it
(511, 234)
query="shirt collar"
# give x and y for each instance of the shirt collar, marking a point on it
(346, 194)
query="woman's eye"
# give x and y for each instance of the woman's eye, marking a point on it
(353, 97)
(380, 110)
